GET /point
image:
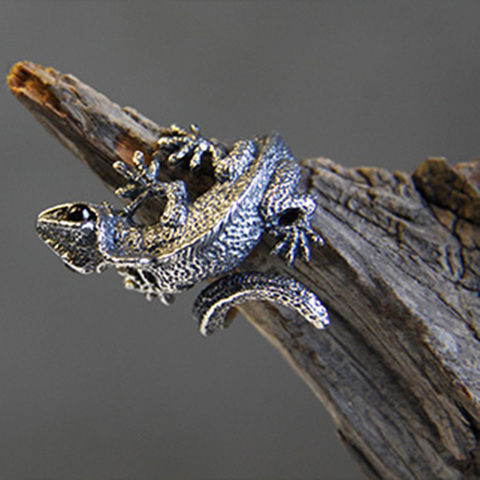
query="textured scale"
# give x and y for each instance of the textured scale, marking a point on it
(254, 192)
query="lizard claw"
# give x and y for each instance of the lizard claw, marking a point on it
(295, 239)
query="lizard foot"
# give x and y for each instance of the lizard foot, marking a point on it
(142, 181)
(212, 305)
(293, 228)
(295, 239)
(189, 144)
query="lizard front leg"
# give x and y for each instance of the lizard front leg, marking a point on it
(212, 305)
(143, 184)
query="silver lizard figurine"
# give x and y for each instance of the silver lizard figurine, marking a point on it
(254, 191)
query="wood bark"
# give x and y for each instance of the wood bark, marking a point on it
(399, 368)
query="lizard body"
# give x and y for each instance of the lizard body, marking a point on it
(254, 191)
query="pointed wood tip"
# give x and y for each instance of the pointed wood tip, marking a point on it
(31, 83)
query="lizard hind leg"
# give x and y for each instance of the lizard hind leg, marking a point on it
(288, 213)
(214, 302)
(291, 224)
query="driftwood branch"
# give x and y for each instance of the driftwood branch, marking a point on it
(399, 368)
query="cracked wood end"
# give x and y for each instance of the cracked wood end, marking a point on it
(399, 368)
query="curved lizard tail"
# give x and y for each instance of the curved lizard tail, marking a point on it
(212, 305)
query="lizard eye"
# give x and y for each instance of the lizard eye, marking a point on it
(79, 213)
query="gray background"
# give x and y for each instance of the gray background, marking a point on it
(98, 383)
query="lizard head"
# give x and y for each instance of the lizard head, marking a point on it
(74, 232)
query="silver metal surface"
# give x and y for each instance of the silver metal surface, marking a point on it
(254, 191)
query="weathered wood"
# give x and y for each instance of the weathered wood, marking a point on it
(399, 368)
